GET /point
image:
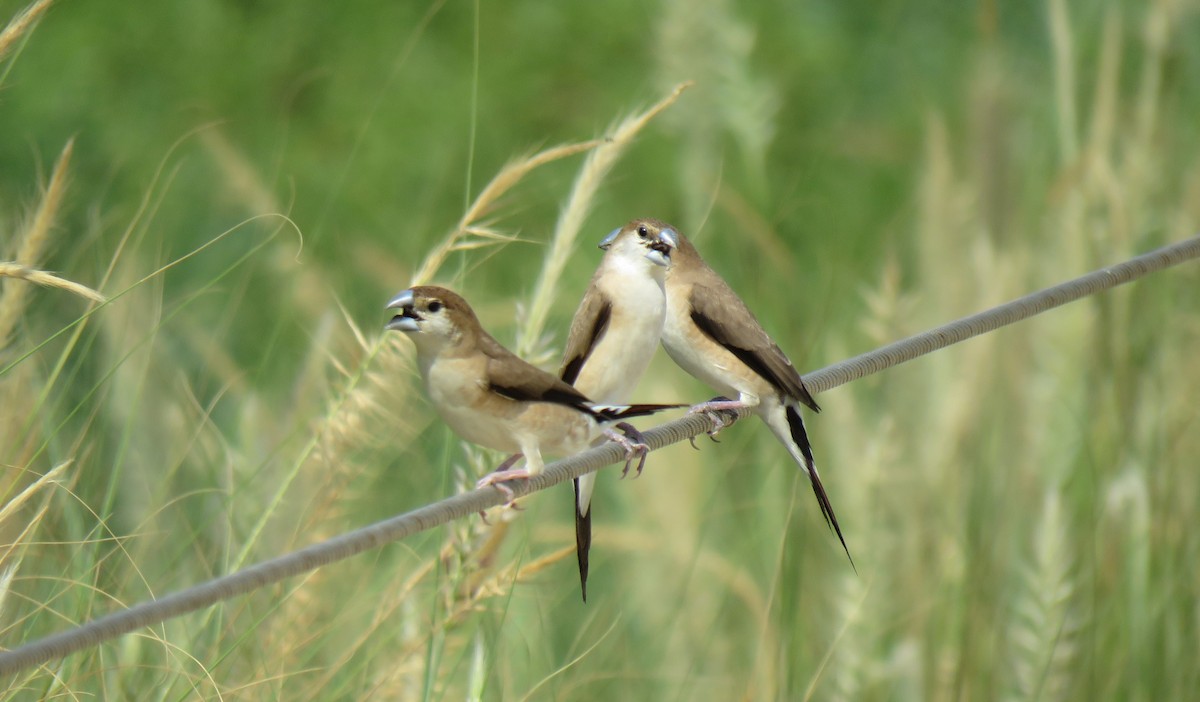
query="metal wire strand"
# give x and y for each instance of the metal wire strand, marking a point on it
(271, 571)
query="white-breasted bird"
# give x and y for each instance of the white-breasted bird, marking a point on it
(613, 337)
(710, 333)
(490, 396)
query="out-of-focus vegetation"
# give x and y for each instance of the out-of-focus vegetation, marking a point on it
(247, 182)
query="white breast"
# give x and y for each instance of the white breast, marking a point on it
(454, 390)
(614, 367)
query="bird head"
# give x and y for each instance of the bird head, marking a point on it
(646, 241)
(431, 316)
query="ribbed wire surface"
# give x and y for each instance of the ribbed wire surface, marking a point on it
(307, 559)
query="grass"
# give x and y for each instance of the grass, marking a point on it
(193, 379)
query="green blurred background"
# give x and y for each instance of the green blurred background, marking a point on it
(1020, 507)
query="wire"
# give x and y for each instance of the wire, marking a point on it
(57, 646)
(1022, 308)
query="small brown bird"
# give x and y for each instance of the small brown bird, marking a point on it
(490, 396)
(711, 334)
(613, 337)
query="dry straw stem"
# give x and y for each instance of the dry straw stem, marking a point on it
(9, 269)
(21, 24)
(339, 548)
(38, 234)
(32, 246)
(16, 534)
(498, 585)
(599, 162)
(511, 174)
(10, 507)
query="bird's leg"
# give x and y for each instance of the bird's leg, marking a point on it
(714, 408)
(508, 462)
(500, 477)
(504, 472)
(533, 466)
(634, 444)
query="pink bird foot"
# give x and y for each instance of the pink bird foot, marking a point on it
(713, 409)
(634, 444)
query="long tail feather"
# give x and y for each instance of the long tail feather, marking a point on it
(583, 539)
(800, 437)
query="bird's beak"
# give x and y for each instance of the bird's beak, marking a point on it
(608, 240)
(407, 320)
(660, 250)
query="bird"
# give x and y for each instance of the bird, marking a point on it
(613, 337)
(710, 333)
(490, 396)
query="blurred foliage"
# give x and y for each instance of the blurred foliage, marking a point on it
(1020, 507)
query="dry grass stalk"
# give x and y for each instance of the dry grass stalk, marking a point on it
(599, 162)
(511, 174)
(15, 503)
(36, 236)
(386, 616)
(31, 247)
(463, 603)
(9, 269)
(16, 533)
(1042, 636)
(20, 24)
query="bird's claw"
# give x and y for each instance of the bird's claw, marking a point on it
(640, 450)
(511, 504)
(634, 443)
(508, 492)
(715, 410)
(501, 476)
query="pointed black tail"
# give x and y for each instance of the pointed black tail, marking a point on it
(583, 540)
(611, 413)
(800, 436)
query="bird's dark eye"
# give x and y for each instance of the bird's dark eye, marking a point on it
(435, 306)
(643, 232)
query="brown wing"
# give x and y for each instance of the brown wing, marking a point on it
(588, 327)
(511, 376)
(720, 313)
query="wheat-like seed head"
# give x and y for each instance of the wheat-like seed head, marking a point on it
(20, 24)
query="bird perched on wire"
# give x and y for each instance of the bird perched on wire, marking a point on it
(490, 396)
(710, 333)
(613, 337)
